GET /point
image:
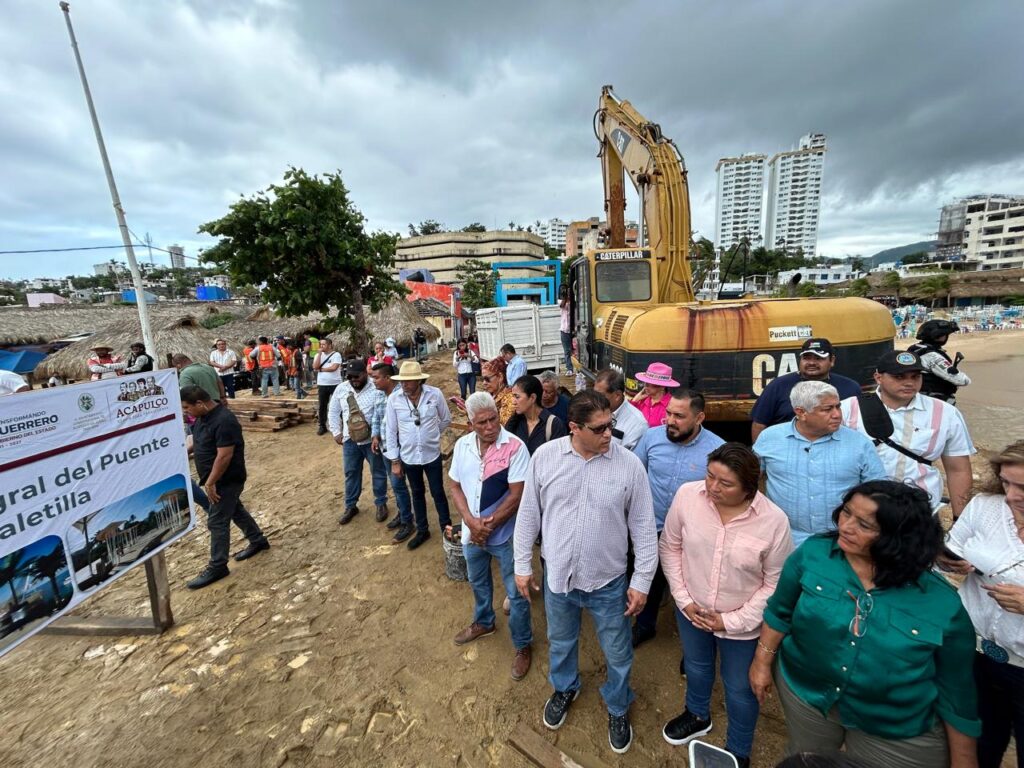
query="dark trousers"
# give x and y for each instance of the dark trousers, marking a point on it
(435, 479)
(219, 518)
(1001, 708)
(323, 399)
(229, 384)
(254, 380)
(467, 384)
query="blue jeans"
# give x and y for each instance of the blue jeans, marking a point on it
(401, 491)
(200, 497)
(352, 455)
(567, 348)
(607, 607)
(268, 375)
(699, 662)
(435, 479)
(467, 384)
(478, 566)
(295, 384)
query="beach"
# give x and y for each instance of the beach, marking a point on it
(335, 647)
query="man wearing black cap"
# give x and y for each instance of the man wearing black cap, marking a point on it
(815, 364)
(924, 430)
(348, 417)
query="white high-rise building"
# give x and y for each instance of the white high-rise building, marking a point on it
(553, 232)
(177, 256)
(794, 196)
(738, 202)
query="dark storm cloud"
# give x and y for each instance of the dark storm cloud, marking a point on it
(482, 111)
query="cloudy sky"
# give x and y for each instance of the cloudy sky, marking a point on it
(481, 111)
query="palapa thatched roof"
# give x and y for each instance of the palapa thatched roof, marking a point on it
(182, 334)
(39, 325)
(176, 331)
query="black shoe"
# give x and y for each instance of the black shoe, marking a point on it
(403, 533)
(641, 635)
(208, 576)
(394, 522)
(685, 728)
(252, 549)
(742, 762)
(418, 539)
(557, 708)
(347, 516)
(382, 513)
(321, 431)
(620, 733)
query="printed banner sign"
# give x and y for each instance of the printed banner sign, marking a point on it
(94, 479)
(789, 333)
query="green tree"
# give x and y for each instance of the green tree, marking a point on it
(806, 290)
(857, 264)
(702, 261)
(920, 257)
(478, 283)
(891, 281)
(859, 287)
(431, 227)
(476, 226)
(935, 286)
(304, 243)
(413, 232)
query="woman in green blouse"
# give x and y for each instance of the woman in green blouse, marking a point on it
(874, 651)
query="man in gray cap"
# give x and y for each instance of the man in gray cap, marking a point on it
(924, 430)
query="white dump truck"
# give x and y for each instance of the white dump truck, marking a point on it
(531, 328)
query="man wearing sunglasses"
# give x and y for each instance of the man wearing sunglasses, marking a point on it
(339, 413)
(588, 496)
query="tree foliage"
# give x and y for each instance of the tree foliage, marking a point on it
(431, 227)
(758, 261)
(915, 258)
(702, 261)
(891, 281)
(935, 286)
(478, 284)
(303, 242)
(476, 226)
(859, 287)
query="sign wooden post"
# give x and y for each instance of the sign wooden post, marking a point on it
(159, 602)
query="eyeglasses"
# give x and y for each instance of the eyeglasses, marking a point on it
(862, 609)
(487, 378)
(600, 429)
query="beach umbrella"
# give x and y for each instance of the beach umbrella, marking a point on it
(20, 362)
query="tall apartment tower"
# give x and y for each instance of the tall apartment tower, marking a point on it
(553, 232)
(738, 202)
(177, 256)
(794, 196)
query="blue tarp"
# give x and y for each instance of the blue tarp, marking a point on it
(20, 362)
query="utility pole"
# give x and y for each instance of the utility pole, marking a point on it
(140, 293)
(149, 245)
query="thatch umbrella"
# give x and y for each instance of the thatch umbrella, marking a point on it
(182, 334)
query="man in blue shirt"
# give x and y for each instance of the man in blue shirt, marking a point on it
(516, 364)
(673, 454)
(812, 461)
(814, 364)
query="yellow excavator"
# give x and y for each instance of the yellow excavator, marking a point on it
(632, 306)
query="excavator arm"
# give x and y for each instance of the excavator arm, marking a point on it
(630, 144)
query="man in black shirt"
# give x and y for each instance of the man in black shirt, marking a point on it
(219, 452)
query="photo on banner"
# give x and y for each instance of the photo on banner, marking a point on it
(94, 480)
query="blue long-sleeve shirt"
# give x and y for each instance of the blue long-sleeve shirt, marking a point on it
(669, 464)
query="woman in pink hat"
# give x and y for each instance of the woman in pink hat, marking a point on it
(652, 400)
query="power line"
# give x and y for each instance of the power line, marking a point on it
(90, 248)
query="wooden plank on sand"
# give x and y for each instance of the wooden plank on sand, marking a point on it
(542, 753)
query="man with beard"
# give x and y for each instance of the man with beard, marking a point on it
(673, 454)
(815, 363)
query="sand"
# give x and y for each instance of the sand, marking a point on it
(335, 647)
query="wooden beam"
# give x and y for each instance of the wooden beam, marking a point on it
(103, 625)
(159, 591)
(541, 753)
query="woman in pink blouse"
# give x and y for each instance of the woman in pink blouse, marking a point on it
(652, 400)
(722, 551)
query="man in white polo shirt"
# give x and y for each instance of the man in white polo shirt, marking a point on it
(929, 428)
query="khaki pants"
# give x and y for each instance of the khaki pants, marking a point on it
(810, 731)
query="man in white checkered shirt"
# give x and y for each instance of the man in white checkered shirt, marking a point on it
(589, 497)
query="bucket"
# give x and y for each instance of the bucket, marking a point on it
(454, 561)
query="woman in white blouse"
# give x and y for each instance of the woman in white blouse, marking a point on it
(989, 537)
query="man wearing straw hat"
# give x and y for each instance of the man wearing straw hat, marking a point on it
(103, 365)
(417, 415)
